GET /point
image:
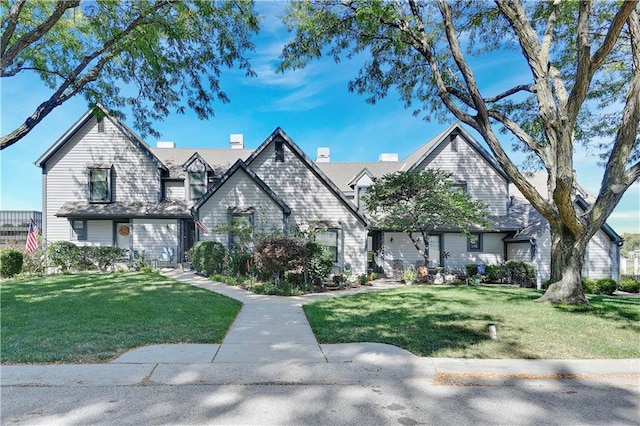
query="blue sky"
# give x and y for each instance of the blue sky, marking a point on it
(312, 105)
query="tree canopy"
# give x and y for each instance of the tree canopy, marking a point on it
(153, 56)
(423, 202)
(582, 86)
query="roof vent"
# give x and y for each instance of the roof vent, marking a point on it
(324, 155)
(165, 144)
(237, 141)
(388, 157)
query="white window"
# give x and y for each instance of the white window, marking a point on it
(330, 239)
(474, 242)
(241, 230)
(79, 228)
(100, 185)
(197, 185)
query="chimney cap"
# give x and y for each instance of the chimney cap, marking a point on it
(323, 155)
(236, 140)
(165, 144)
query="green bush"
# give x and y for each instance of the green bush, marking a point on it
(589, 286)
(208, 257)
(472, 269)
(102, 258)
(238, 263)
(319, 261)
(282, 289)
(493, 273)
(64, 255)
(523, 273)
(606, 286)
(629, 285)
(10, 263)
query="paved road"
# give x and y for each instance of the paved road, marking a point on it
(271, 370)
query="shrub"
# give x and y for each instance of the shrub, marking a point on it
(589, 286)
(319, 261)
(280, 254)
(238, 263)
(295, 278)
(523, 273)
(10, 263)
(493, 273)
(629, 285)
(606, 286)
(472, 269)
(283, 289)
(103, 258)
(63, 255)
(208, 257)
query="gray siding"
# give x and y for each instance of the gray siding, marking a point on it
(153, 236)
(99, 232)
(492, 250)
(174, 190)
(240, 191)
(483, 182)
(598, 258)
(135, 176)
(311, 200)
(519, 251)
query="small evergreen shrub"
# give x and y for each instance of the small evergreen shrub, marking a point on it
(606, 286)
(472, 269)
(629, 285)
(493, 273)
(238, 263)
(523, 273)
(282, 289)
(589, 286)
(208, 257)
(10, 263)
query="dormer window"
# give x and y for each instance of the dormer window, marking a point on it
(100, 185)
(197, 185)
(280, 151)
(198, 175)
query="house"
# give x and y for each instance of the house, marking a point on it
(103, 185)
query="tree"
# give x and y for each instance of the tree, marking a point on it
(582, 86)
(631, 243)
(149, 55)
(423, 202)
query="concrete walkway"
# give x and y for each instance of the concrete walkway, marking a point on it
(268, 329)
(271, 342)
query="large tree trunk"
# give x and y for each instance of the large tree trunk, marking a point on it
(567, 259)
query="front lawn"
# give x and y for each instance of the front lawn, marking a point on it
(87, 318)
(440, 321)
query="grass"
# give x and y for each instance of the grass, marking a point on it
(88, 318)
(438, 321)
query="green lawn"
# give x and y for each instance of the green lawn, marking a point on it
(88, 318)
(438, 321)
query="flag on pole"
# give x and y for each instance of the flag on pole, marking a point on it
(32, 237)
(202, 227)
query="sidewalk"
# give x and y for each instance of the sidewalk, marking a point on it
(271, 342)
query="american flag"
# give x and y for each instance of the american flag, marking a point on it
(202, 227)
(32, 238)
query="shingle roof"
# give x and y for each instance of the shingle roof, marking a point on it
(221, 159)
(162, 209)
(342, 173)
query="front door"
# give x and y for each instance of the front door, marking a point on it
(123, 236)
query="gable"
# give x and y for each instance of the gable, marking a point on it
(299, 181)
(90, 123)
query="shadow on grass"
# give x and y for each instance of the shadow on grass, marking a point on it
(617, 308)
